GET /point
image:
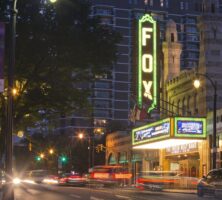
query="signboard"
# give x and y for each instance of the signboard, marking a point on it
(180, 149)
(190, 127)
(147, 63)
(171, 128)
(2, 47)
(152, 132)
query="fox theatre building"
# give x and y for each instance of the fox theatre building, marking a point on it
(180, 142)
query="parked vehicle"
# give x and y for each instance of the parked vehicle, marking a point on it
(211, 184)
(72, 178)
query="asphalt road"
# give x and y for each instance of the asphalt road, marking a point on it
(49, 192)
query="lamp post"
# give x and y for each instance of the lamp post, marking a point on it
(91, 143)
(214, 138)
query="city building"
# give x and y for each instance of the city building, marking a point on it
(181, 105)
(112, 97)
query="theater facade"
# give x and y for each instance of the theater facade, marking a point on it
(181, 142)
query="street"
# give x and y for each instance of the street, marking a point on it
(51, 192)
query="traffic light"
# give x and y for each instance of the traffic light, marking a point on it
(38, 158)
(63, 159)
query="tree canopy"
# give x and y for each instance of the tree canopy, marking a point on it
(58, 48)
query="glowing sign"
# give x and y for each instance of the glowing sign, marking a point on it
(147, 62)
(177, 128)
(152, 131)
(190, 127)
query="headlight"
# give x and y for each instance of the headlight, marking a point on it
(16, 181)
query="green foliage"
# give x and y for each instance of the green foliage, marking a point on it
(58, 48)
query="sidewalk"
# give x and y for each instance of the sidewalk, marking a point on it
(184, 191)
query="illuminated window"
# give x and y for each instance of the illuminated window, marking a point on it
(161, 3)
(181, 5)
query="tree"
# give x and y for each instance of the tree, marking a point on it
(58, 48)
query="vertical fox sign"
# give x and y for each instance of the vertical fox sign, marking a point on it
(147, 63)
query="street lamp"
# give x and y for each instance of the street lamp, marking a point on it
(82, 136)
(51, 151)
(214, 144)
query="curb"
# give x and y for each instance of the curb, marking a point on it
(181, 191)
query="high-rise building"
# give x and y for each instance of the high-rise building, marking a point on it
(112, 94)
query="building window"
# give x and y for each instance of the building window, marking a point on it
(214, 33)
(215, 52)
(161, 3)
(151, 2)
(187, 6)
(172, 107)
(213, 8)
(181, 5)
(167, 3)
(184, 106)
(195, 104)
(178, 107)
(188, 104)
(172, 37)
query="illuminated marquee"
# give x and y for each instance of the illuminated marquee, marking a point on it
(190, 127)
(177, 128)
(147, 62)
(152, 132)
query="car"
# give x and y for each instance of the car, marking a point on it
(37, 175)
(211, 184)
(109, 175)
(159, 180)
(51, 179)
(72, 178)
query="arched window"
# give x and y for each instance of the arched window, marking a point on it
(172, 37)
(172, 108)
(188, 103)
(184, 106)
(195, 104)
(178, 107)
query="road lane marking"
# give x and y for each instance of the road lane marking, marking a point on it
(32, 191)
(75, 196)
(122, 197)
(95, 198)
